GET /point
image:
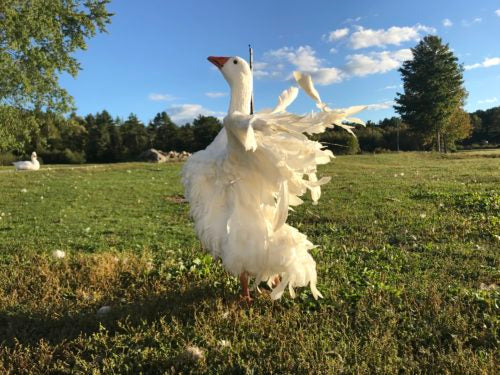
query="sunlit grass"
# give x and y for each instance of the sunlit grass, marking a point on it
(408, 265)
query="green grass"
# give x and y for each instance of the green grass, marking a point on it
(408, 264)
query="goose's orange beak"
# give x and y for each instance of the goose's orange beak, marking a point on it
(218, 61)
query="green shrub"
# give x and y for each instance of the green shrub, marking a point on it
(381, 150)
(370, 138)
(63, 157)
(7, 158)
(340, 142)
(74, 157)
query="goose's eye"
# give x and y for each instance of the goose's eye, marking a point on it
(235, 61)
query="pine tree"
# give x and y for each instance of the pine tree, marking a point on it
(163, 132)
(433, 90)
(205, 129)
(134, 136)
(98, 136)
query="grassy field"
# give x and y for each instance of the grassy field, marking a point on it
(408, 264)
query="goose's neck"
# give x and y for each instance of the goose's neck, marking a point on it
(241, 95)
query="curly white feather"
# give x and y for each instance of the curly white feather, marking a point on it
(285, 99)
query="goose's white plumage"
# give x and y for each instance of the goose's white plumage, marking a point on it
(27, 165)
(241, 186)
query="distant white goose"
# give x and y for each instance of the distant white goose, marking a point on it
(241, 186)
(27, 165)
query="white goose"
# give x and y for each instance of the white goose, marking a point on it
(27, 165)
(241, 186)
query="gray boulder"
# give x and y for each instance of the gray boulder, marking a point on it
(153, 156)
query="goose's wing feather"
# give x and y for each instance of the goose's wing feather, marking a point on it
(240, 126)
(305, 82)
(285, 99)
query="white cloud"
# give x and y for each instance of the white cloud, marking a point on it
(260, 69)
(184, 113)
(259, 65)
(467, 23)
(337, 34)
(488, 101)
(378, 106)
(497, 12)
(327, 76)
(333, 50)
(351, 20)
(161, 97)
(214, 95)
(363, 38)
(303, 57)
(487, 62)
(260, 74)
(391, 87)
(376, 62)
(447, 22)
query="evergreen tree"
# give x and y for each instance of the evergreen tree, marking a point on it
(111, 145)
(185, 139)
(99, 140)
(75, 134)
(134, 136)
(433, 90)
(163, 132)
(477, 128)
(205, 129)
(491, 125)
(114, 151)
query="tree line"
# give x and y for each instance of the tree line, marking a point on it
(479, 129)
(101, 138)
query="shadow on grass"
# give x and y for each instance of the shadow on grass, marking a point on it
(29, 328)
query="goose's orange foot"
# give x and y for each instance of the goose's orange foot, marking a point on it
(246, 299)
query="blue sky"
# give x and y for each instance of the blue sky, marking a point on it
(153, 57)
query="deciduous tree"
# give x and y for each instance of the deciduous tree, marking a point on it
(457, 129)
(37, 40)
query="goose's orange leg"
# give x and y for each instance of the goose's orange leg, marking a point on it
(245, 295)
(276, 281)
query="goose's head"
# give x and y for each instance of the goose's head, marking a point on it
(238, 75)
(33, 155)
(234, 69)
